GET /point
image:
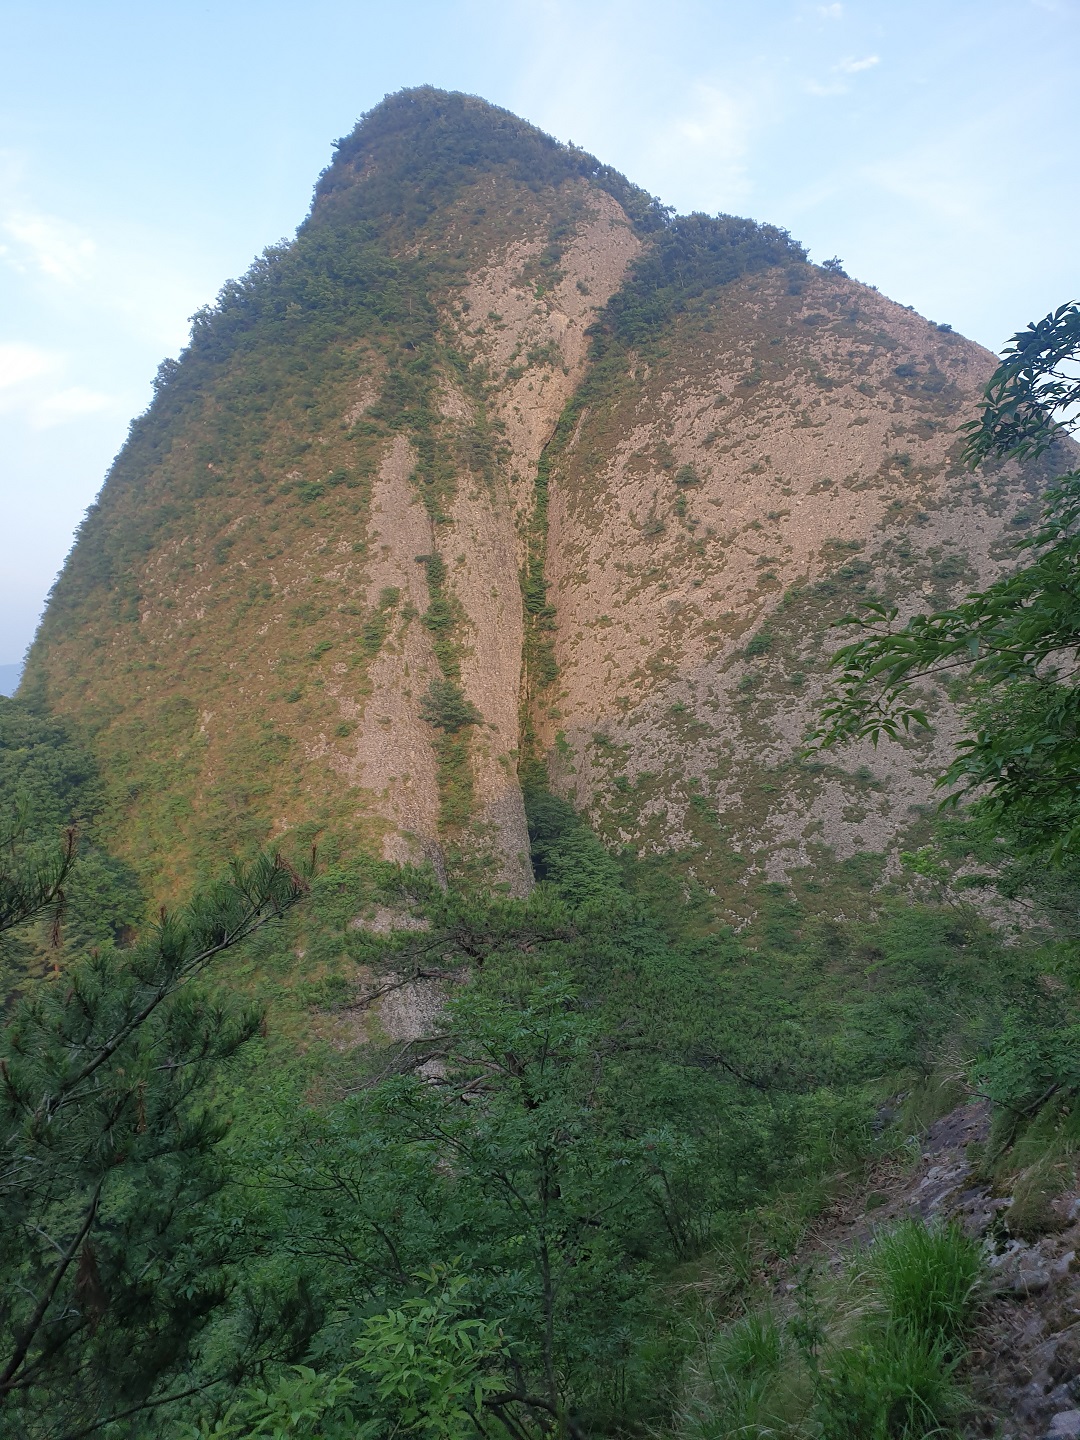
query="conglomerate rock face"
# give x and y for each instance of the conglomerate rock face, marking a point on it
(499, 466)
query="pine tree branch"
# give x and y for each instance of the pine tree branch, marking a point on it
(8, 1380)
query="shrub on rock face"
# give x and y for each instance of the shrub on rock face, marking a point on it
(446, 706)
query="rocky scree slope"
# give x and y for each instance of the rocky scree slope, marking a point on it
(499, 466)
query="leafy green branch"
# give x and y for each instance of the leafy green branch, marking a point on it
(1036, 384)
(32, 878)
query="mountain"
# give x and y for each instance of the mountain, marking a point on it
(498, 524)
(502, 475)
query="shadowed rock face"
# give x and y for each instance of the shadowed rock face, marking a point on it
(498, 463)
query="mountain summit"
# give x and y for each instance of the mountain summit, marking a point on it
(499, 473)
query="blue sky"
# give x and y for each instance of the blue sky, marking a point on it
(148, 151)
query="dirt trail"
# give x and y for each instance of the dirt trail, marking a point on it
(1024, 1369)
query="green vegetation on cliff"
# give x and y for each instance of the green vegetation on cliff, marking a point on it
(217, 585)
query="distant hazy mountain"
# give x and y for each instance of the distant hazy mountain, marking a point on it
(9, 678)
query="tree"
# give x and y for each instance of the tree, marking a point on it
(490, 1146)
(53, 868)
(32, 876)
(1018, 641)
(109, 1161)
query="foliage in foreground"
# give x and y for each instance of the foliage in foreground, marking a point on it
(474, 1232)
(51, 868)
(871, 1353)
(1017, 643)
(110, 1159)
(483, 1219)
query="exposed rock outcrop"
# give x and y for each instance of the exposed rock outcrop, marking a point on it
(499, 463)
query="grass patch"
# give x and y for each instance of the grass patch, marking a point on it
(928, 1277)
(870, 1354)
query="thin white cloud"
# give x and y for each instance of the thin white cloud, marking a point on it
(849, 66)
(29, 376)
(831, 12)
(852, 67)
(54, 248)
(710, 137)
(71, 404)
(146, 291)
(126, 271)
(835, 87)
(934, 179)
(19, 363)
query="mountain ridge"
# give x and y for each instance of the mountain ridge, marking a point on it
(357, 568)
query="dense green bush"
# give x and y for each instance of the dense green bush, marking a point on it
(110, 1264)
(691, 256)
(48, 783)
(928, 1276)
(445, 705)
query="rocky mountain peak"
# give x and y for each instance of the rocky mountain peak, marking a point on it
(501, 474)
